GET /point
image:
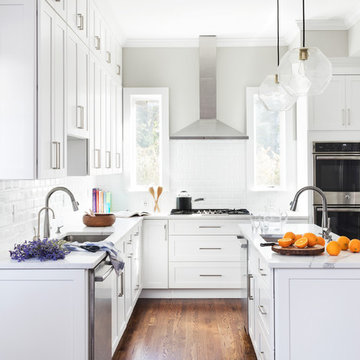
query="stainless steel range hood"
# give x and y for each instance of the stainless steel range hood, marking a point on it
(208, 127)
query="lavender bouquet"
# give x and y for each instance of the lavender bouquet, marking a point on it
(42, 249)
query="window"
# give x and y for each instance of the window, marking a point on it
(147, 147)
(270, 147)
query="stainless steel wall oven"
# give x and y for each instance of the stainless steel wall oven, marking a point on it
(337, 173)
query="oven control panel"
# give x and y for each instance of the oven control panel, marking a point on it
(336, 147)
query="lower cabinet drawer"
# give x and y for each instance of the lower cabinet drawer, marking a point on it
(207, 275)
(207, 248)
(264, 303)
(263, 348)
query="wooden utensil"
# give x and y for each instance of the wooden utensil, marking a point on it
(152, 192)
(159, 192)
(292, 250)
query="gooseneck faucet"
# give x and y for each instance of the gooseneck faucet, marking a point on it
(37, 234)
(325, 221)
(74, 203)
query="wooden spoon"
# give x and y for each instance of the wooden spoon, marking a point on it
(152, 192)
(159, 192)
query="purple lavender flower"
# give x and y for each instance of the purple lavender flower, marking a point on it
(42, 249)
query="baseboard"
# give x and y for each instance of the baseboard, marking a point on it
(192, 293)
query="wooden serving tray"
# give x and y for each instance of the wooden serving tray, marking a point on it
(292, 250)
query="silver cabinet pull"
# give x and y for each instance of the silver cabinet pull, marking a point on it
(105, 276)
(210, 275)
(108, 159)
(210, 227)
(208, 248)
(136, 234)
(97, 158)
(80, 117)
(55, 154)
(343, 117)
(250, 276)
(118, 70)
(118, 160)
(262, 310)
(130, 255)
(80, 21)
(108, 57)
(349, 120)
(97, 42)
(121, 293)
(137, 287)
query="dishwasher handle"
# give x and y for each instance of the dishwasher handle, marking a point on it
(105, 276)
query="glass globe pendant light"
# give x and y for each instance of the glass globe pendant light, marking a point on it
(305, 70)
(271, 92)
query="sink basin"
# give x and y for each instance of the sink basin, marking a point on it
(81, 238)
(271, 237)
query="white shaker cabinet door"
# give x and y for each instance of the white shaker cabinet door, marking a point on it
(118, 132)
(155, 270)
(51, 101)
(352, 102)
(77, 18)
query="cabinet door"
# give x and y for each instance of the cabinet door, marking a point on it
(59, 6)
(155, 269)
(77, 87)
(117, 63)
(77, 18)
(118, 132)
(251, 306)
(136, 268)
(352, 102)
(128, 277)
(52, 81)
(95, 117)
(107, 121)
(95, 41)
(328, 110)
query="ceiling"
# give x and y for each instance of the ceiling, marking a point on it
(254, 19)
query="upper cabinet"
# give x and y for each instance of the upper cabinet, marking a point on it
(338, 107)
(60, 103)
(78, 18)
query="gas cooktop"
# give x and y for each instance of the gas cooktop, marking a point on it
(210, 212)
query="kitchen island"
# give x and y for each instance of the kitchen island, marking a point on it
(302, 307)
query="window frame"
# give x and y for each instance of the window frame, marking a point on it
(287, 155)
(130, 135)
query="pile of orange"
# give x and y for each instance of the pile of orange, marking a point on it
(333, 248)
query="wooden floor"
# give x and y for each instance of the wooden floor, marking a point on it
(186, 329)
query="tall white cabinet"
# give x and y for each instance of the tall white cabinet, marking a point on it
(60, 96)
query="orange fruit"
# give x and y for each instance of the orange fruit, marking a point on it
(285, 242)
(289, 235)
(320, 240)
(354, 245)
(312, 239)
(333, 248)
(298, 236)
(343, 241)
(301, 243)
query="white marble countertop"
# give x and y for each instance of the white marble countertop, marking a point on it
(76, 259)
(344, 260)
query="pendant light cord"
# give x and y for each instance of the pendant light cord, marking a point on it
(303, 11)
(278, 33)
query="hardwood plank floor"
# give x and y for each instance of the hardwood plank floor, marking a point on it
(186, 329)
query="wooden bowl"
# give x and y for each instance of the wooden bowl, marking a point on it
(99, 220)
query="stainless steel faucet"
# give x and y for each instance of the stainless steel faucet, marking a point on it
(37, 233)
(325, 221)
(74, 203)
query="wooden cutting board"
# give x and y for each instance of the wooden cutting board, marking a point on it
(292, 250)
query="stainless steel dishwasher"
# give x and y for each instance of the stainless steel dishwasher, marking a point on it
(100, 311)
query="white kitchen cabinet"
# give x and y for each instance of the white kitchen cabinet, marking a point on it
(155, 270)
(60, 6)
(107, 122)
(77, 18)
(77, 87)
(44, 314)
(51, 92)
(96, 43)
(117, 63)
(338, 107)
(117, 128)
(136, 264)
(316, 306)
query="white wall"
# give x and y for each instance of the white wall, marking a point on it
(20, 201)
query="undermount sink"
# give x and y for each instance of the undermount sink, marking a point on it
(271, 237)
(82, 238)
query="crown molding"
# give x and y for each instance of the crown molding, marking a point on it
(323, 24)
(194, 42)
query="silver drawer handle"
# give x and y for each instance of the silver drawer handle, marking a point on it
(137, 287)
(55, 155)
(105, 276)
(97, 159)
(210, 275)
(108, 159)
(97, 42)
(80, 118)
(118, 160)
(262, 310)
(209, 227)
(80, 21)
(118, 72)
(121, 293)
(108, 57)
(210, 248)
(250, 297)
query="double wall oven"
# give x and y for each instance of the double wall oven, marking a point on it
(337, 173)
